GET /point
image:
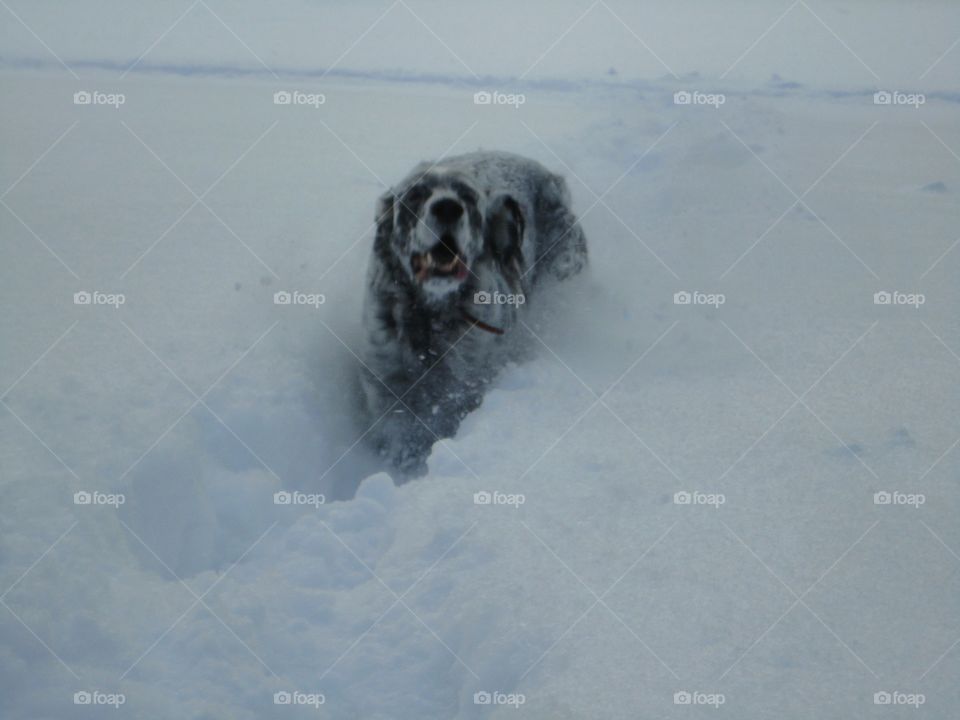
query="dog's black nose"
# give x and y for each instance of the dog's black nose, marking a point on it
(446, 210)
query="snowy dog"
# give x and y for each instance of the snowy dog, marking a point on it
(460, 246)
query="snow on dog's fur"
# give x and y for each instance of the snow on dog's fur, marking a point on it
(460, 248)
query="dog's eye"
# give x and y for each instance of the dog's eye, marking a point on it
(411, 202)
(465, 192)
(416, 196)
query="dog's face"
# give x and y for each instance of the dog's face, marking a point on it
(438, 225)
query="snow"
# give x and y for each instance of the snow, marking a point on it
(585, 589)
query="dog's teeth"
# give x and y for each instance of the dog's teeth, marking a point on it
(425, 265)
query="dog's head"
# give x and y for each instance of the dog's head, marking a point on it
(439, 225)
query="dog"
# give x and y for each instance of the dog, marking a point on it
(460, 246)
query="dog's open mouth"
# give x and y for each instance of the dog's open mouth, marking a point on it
(443, 260)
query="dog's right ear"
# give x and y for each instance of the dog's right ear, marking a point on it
(384, 217)
(505, 228)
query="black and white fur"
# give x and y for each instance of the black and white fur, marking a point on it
(432, 344)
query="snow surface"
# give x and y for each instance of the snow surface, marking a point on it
(598, 597)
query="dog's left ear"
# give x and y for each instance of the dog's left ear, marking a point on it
(384, 217)
(504, 228)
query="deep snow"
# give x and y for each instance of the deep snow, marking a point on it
(796, 400)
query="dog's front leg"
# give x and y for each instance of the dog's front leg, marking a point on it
(407, 424)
